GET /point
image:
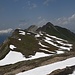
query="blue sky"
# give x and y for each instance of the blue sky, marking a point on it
(23, 13)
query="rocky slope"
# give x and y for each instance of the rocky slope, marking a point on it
(65, 71)
(58, 31)
(35, 47)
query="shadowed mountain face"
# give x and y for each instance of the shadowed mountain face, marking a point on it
(58, 31)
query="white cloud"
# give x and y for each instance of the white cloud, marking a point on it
(6, 31)
(39, 17)
(31, 5)
(61, 21)
(46, 2)
(72, 18)
(34, 5)
(65, 20)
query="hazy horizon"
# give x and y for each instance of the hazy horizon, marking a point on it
(23, 13)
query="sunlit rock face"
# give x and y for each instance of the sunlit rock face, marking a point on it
(32, 28)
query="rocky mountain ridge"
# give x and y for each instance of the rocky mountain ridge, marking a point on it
(36, 47)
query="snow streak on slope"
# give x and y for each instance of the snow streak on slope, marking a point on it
(60, 52)
(21, 32)
(42, 45)
(46, 50)
(56, 38)
(14, 57)
(19, 39)
(37, 35)
(12, 47)
(47, 40)
(47, 69)
(60, 42)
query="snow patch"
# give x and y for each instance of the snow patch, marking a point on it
(38, 55)
(47, 69)
(46, 50)
(47, 38)
(42, 45)
(65, 44)
(65, 48)
(11, 58)
(28, 33)
(56, 38)
(21, 32)
(12, 47)
(19, 39)
(14, 57)
(37, 35)
(40, 33)
(56, 45)
(49, 42)
(60, 52)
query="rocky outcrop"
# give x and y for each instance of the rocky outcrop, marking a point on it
(4, 49)
(32, 28)
(65, 71)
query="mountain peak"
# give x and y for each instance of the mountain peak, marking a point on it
(49, 26)
(32, 28)
(33, 46)
(49, 23)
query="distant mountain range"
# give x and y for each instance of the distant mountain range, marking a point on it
(35, 47)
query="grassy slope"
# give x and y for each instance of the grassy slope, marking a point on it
(27, 46)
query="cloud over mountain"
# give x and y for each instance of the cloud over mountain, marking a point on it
(68, 22)
(6, 31)
(65, 20)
